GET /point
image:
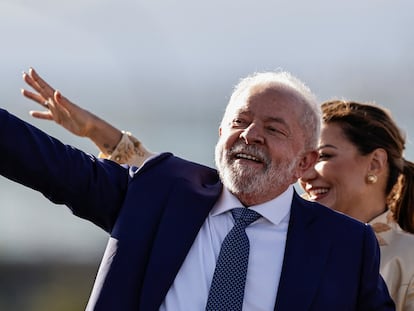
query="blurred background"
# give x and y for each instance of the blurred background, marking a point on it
(164, 70)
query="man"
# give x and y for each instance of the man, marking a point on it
(168, 219)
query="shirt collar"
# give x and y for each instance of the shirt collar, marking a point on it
(274, 210)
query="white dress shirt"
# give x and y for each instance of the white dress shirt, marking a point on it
(267, 237)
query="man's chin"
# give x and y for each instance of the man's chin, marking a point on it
(242, 185)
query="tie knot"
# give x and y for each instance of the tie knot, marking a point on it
(244, 215)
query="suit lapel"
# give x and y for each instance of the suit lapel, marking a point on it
(306, 253)
(183, 217)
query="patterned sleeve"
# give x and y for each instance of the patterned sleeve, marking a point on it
(128, 151)
(409, 298)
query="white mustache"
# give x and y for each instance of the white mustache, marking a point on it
(252, 150)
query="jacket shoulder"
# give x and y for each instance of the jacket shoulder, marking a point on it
(167, 166)
(329, 217)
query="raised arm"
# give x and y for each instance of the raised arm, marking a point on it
(113, 144)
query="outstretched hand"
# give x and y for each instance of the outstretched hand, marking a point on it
(59, 108)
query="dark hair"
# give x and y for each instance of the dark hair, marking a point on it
(370, 127)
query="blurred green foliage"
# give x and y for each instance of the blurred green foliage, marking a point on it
(47, 286)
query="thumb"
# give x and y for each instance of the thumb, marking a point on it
(57, 96)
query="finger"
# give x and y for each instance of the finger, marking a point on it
(37, 97)
(30, 81)
(58, 112)
(62, 101)
(43, 88)
(33, 96)
(58, 98)
(66, 103)
(44, 115)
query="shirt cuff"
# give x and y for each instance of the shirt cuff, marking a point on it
(127, 151)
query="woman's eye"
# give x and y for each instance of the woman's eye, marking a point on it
(323, 156)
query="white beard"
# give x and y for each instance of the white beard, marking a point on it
(247, 180)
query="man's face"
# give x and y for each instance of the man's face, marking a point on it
(261, 144)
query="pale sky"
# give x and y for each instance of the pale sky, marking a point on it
(164, 70)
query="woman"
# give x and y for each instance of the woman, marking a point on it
(360, 172)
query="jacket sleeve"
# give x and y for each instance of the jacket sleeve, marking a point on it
(93, 189)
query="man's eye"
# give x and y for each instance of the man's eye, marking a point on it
(238, 122)
(274, 130)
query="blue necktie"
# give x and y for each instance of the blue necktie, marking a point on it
(227, 287)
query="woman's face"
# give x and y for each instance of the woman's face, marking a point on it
(338, 179)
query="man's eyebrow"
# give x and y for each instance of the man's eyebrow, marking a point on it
(277, 119)
(243, 111)
(327, 146)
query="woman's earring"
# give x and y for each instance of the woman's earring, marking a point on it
(372, 179)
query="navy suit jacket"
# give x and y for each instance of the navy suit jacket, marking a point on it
(153, 215)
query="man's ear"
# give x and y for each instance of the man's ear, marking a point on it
(307, 161)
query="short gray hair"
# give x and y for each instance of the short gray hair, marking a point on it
(311, 113)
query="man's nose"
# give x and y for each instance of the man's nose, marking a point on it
(252, 135)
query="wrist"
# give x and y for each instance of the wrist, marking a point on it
(104, 135)
(92, 126)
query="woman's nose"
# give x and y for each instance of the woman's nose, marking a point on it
(309, 174)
